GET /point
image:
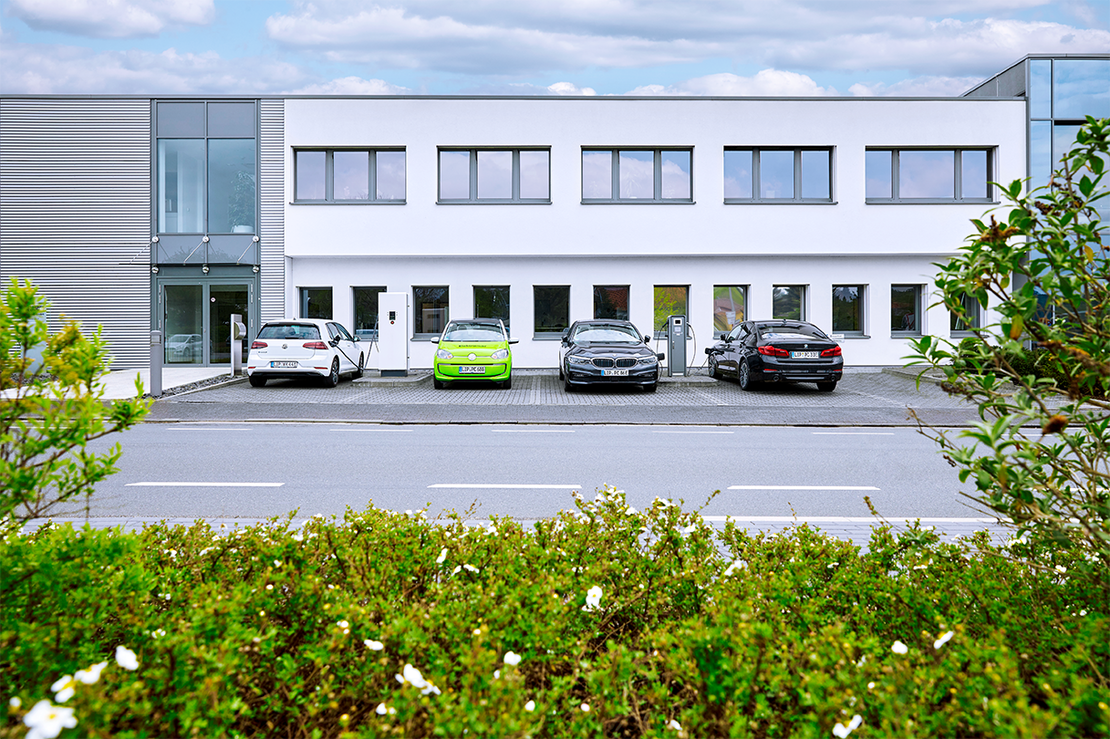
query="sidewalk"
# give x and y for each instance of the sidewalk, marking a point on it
(121, 383)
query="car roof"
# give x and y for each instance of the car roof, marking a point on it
(490, 321)
(605, 322)
(318, 322)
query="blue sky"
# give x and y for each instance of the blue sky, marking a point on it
(602, 47)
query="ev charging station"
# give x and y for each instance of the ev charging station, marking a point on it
(393, 334)
(676, 346)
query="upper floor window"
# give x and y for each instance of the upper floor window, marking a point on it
(495, 175)
(637, 175)
(778, 175)
(929, 175)
(349, 176)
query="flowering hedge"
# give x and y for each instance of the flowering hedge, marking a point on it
(600, 622)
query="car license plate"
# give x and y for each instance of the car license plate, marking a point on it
(614, 373)
(803, 355)
(464, 370)
(283, 365)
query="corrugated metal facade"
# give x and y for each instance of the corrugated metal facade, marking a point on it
(272, 194)
(75, 205)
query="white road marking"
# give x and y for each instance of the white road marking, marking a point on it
(358, 428)
(204, 484)
(853, 433)
(847, 519)
(801, 487)
(532, 431)
(505, 486)
(197, 428)
(660, 431)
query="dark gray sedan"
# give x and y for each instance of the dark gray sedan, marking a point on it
(777, 351)
(607, 352)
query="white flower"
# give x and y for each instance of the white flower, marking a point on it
(593, 599)
(277, 563)
(842, 731)
(497, 674)
(530, 706)
(126, 659)
(90, 675)
(585, 707)
(1061, 569)
(899, 648)
(63, 688)
(375, 646)
(512, 658)
(15, 702)
(674, 725)
(870, 686)
(442, 556)
(47, 721)
(298, 537)
(383, 709)
(943, 639)
(471, 568)
(731, 568)
(412, 676)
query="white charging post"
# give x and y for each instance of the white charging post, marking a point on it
(393, 334)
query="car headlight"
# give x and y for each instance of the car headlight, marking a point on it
(648, 360)
(444, 354)
(500, 354)
(575, 359)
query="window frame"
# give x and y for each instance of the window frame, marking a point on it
(628, 302)
(472, 153)
(957, 175)
(377, 291)
(919, 292)
(658, 333)
(657, 175)
(329, 176)
(975, 318)
(538, 335)
(745, 289)
(803, 302)
(304, 298)
(797, 198)
(508, 302)
(418, 320)
(861, 311)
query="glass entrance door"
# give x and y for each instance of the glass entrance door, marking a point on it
(223, 300)
(184, 326)
(197, 321)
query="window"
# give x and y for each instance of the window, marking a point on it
(905, 310)
(316, 302)
(788, 302)
(778, 175)
(729, 306)
(670, 301)
(637, 175)
(492, 302)
(349, 176)
(847, 309)
(611, 301)
(366, 311)
(430, 308)
(494, 175)
(928, 175)
(963, 324)
(551, 309)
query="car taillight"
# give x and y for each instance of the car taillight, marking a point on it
(772, 351)
(259, 345)
(315, 345)
(833, 352)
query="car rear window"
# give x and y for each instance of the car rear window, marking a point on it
(298, 331)
(473, 332)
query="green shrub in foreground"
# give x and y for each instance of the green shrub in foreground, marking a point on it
(625, 623)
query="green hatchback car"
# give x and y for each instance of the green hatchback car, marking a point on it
(474, 349)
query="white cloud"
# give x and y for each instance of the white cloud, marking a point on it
(917, 87)
(352, 86)
(111, 18)
(767, 83)
(569, 88)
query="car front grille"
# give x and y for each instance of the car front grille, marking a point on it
(605, 362)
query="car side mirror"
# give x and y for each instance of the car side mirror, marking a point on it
(334, 342)
(514, 341)
(661, 356)
(647, 339)
(723, 336)
(436, 339)
(354, 338)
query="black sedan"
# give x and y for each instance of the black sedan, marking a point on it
(607, 352)
(777, 351)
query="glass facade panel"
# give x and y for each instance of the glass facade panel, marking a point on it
(676, 175)
(366, 311)
(231, 120)
(597, 175)
(729, 306)
(738, 174)
(390, 175)
(492, 302)
(670, 300)
(181, 120)
(181, 186)
(973, 174)
(816, 175)
(1081, 87)
(1063, 139)
(225, 300)
(310, 175)
(611, 301)
(316, 302)
(551, 308)
(878, 174)
(495, 175)
(430, 309)
(847, 308)
(351, 175)
(926, 174)
(1040, 152)
(788, 302)
(637, 175)
(232, 199)
(776, 174)
(535, 178)
(905, 308)
(1040, 88)
(454, 175)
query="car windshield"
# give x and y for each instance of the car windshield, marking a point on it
(791, 331)
(298, 331)
(606, 334)
(473, 332)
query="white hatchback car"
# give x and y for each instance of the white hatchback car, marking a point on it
(304, 347)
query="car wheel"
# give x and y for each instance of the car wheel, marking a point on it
(257, 381)
(828, 387)
(652, 387)
(438, 384)
(333, 377)
(562, 377)
(745, 376)
(507, 384)
(714, 371)
(361, 366)
(566, 384)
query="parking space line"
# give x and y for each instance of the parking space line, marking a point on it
(853, 433)
(202, 428)
(501, 486)
(204, 484)
(801, 487)
(667, 431)
(363, 428)
(533, 431)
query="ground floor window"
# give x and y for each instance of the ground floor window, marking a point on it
(729, 306)
(551, 309)
(905, 310)
(430, 308)
(316, 302)
(492, 302)
(788, 302)
(970, 318)
(366, 311)
(670, 300)
(847, 309)
(611, 301)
